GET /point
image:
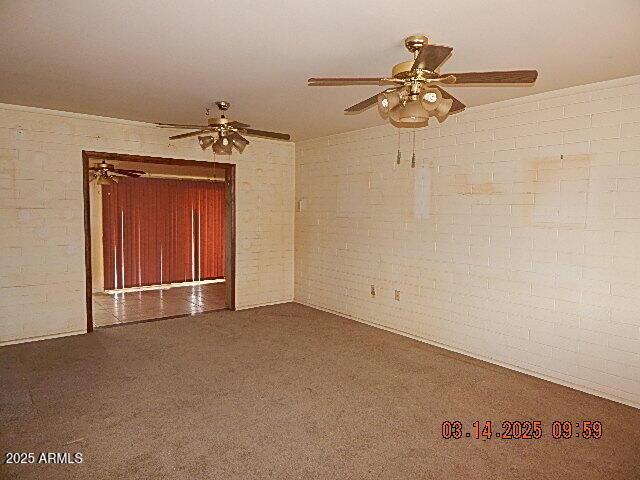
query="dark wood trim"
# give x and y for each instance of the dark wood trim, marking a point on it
(230, 217)
(87, 242)
(169, 317)
(230, 236)
(158, 160)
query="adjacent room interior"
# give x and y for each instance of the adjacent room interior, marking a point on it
(157, 236)
(320, 240)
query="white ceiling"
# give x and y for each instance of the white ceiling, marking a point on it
(163, 61)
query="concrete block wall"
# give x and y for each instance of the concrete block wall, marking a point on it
(516, 237)
(42, 265)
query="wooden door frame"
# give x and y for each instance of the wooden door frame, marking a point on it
(229, 218)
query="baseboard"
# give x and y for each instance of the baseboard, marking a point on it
(44, 337)
(509, 366)
(256, 305)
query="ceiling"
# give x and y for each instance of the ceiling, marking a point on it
(165, 61)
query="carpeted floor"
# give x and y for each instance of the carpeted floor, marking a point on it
(288, 392)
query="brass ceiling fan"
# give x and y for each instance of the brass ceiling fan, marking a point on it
(221, 134)
(107, 174)
(415, 92)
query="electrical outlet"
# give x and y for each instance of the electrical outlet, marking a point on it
(373, 290)
(398, 295)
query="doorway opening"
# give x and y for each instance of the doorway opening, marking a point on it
(161, 245)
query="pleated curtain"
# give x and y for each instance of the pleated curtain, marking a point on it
(160, 231)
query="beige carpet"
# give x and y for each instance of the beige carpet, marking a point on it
(287, 392)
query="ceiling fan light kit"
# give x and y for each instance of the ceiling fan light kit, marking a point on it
(221, 134)
(106, 180)
(417, 92)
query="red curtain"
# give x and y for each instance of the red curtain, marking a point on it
(158, 231)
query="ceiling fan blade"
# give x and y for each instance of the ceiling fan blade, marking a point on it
(457, 106)
(447, 80)
(338, 82)
(95, 168)
(431, 57)
(126, 174)
(237, 124)
(266, 134)
(179, 125)
(125, 171)
(512, 76)
(188, 134)
(363, 105)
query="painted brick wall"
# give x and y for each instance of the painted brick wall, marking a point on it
(41, 213)
(516, 238)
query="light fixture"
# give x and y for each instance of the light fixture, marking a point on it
(388, 100)
(239, 141)
(221, 146)
(103, 178)
(413, 110)
(442, 110)
(434, 102)
(430, 98)
(410, 114)
(205, 142)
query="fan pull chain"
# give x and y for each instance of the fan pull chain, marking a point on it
(399, 152)
(413, 155)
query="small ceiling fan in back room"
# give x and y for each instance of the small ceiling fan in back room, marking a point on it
(221, 134)
(105, 173)
(415, 90)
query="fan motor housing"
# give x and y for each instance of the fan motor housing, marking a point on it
(218, 120)
(402, 70)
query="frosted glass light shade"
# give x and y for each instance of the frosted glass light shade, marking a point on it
(387, 101)
(205, 142)
(430, 98)
(239, 142)
(220, 148)
(442, 111)
(412, 115)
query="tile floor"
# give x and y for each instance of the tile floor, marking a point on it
(111, 309)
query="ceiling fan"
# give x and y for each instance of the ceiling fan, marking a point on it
(414, 90)
(107, 174)
(221, 134)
